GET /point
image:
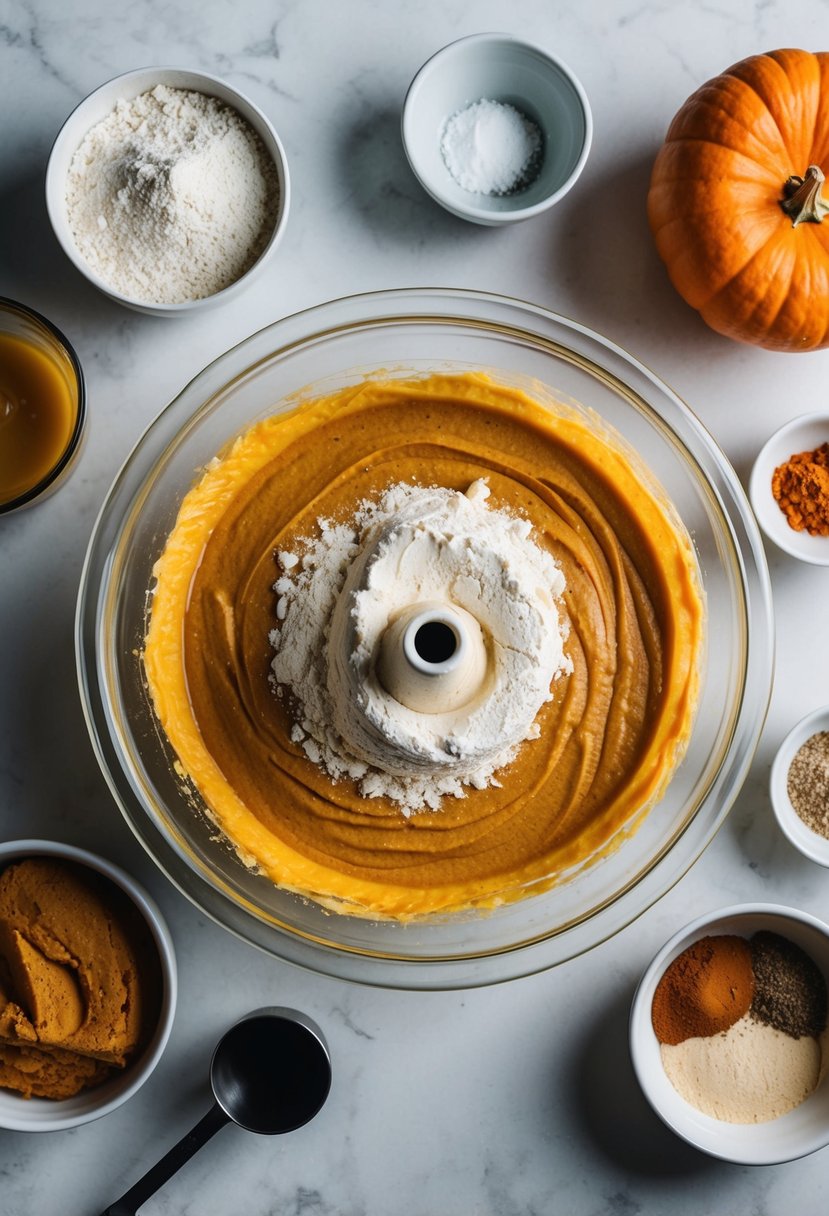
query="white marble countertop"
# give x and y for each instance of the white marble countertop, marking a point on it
(516, 1099)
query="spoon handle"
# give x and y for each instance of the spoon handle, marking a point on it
(131, 1201)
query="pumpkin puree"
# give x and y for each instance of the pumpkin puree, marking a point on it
(77, 983)
(610, 738)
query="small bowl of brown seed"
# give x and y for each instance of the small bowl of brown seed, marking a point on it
(799, 786)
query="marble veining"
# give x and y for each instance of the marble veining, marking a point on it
(513, 1101)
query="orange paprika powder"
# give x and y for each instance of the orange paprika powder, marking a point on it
(801, 490)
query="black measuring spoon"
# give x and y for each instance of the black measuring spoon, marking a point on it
(270, 1074)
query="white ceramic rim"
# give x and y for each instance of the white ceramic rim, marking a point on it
(806, 548)
(482, 214)
(807, 841)
(277, 154)
(641, 1035)
(46, 1112)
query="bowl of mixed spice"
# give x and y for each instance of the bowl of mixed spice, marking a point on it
(729, 1035)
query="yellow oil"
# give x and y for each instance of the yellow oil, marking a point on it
(38, 412)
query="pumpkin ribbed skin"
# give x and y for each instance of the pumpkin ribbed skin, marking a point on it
(714, 201)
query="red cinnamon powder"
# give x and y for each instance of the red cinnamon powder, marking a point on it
(705, 990)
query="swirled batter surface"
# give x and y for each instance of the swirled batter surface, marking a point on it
(610, 737)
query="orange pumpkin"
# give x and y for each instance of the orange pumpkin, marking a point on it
(735, 202)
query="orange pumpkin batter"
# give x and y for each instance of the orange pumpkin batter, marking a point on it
(610, 738)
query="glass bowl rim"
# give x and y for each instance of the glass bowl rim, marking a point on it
(528, 956)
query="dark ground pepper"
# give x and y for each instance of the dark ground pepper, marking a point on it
(789, 988)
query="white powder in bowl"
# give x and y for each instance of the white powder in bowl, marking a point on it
(489, 147)
(172, 197)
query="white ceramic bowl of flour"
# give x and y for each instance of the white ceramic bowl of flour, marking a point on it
(802, 1130)
(97, 107)
(500, 69)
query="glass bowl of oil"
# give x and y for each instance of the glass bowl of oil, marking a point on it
(42, 406)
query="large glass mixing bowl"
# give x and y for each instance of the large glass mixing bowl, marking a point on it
(406, 333)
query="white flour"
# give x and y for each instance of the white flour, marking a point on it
(171, 197)
(413, 545)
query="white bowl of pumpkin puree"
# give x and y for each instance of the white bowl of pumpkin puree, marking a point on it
(425, 638)
(87, 986)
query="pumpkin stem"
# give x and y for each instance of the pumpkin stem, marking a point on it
(802, 199)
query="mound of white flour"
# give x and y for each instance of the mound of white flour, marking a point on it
(335, 601)
(171, 197)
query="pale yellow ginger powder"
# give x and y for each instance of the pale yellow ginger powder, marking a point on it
(750, 1073)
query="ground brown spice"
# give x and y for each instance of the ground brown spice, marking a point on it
(790, 991)
(705, 990)
(801, 489)
(807, 782)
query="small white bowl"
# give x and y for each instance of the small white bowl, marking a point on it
(97, 106)
(810, 843)
(803, 434)
(49, 1115)
(804, 1129)
(500, 68)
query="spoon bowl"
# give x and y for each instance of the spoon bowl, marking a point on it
(270, 1073)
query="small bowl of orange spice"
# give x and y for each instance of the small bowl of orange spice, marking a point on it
(789, 488)
(42, 406)
(728, 1034)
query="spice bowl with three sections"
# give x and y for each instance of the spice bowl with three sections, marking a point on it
(810, 843)
(802, 434)
(417, 332)
(98, 106)
(799, 1132)
(498, 67)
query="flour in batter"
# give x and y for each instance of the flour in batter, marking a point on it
(416, 544)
